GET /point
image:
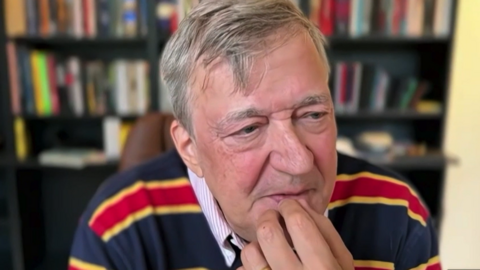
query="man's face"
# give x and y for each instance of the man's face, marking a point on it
(274, 140)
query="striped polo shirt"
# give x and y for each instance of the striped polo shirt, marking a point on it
(149, 217)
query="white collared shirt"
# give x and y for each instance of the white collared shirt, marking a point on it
(216, 221)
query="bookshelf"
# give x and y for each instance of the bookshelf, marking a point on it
(42, 203)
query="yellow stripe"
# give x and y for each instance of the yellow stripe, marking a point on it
(374, 264)
(351, 177)
(179, 182)
(432, 261)
(195, 268)
(149, 210)
(84, 265)
(377, 200)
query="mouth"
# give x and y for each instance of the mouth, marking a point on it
(278, 197)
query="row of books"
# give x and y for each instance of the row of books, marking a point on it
(78, 18)
(355, 18)
(171, 12)
(44, 83)
(128, 18)
(357, 86)
(74, 155)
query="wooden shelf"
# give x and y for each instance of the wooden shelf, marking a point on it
(389, 115)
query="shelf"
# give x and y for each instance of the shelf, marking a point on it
(34, 164)
(72, 41)
(421, 162)
(428, 162)
(340, 116)
(389, 115)
(387, 39)
(74, 117)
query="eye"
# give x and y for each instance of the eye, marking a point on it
(248, 130)
(315, 115)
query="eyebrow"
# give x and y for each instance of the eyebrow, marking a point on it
(235, 116)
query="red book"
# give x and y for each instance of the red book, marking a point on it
(326, 18)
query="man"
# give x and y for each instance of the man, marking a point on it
(255, 181)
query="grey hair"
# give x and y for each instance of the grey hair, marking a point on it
(234, 31)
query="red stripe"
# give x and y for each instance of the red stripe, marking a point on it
(370, 187)
(70, 267)
(139, 200)
(436, 266)
(369, 268)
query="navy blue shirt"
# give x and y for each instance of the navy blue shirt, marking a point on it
(149, 218)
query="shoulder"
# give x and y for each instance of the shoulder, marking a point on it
(159, 185)
(362, 183)
(381, 217)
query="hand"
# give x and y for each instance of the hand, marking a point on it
(316, 241)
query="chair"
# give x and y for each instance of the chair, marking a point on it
(148, 137)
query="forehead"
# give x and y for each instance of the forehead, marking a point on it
(284, 75)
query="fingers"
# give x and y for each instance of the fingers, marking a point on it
(274, 245)
(311, 246)
(252, 257)
(333, 239)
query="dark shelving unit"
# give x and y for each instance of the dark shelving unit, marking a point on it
(389, 115)
(432, 162)
(3, 213)
(40, 229)
(76, 118)
(382, 39)
(81, 42)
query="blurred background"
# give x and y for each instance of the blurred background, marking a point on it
(75, 76)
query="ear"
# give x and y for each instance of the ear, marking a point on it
(186, 147)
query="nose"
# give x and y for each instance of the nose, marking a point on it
(289, 153)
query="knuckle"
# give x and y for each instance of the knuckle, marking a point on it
(266, 231)
(298, 221)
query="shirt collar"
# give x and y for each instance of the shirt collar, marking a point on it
(216, 221)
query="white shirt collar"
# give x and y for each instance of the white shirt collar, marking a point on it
(216, 221)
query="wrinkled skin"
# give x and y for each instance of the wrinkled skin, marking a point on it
(274, 140)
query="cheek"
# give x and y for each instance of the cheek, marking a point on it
(230, 174)
(243, 171)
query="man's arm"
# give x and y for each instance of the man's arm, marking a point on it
(421, 249)
(89, 252)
